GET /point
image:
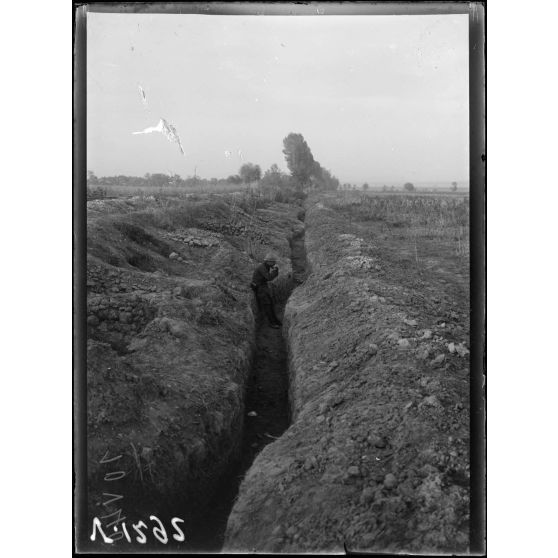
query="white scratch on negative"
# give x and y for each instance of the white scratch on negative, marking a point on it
(143, 96)
(168, 130)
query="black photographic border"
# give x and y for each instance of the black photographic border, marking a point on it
(477, 180)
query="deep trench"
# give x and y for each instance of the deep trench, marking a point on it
(267, 394)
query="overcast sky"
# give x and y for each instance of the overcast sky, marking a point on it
(377, 98)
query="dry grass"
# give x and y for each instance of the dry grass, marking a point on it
(121, 190)
(251, 194)
(170, 213)
(415, 217)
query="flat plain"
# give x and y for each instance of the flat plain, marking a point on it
(347, 428)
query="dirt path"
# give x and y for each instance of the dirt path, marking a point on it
(267, 397)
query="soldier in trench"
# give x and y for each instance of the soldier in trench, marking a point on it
(263, 274)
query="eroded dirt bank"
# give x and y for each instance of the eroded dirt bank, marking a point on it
(377, 455)
(267, 407)
(171, 341)
(267, 416)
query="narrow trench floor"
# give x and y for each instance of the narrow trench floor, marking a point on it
(267, 395)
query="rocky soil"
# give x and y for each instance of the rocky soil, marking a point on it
(171, 339)
(377, 455)
(347, 429)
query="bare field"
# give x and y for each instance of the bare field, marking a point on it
(124, 190)
(411, 217)
(350, 426)
(377, 455)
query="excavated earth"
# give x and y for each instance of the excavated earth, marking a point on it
(171, 325)
(347, 429)
(377, 454)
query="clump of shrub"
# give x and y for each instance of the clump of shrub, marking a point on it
(209, 316)
(98, 193)
(174, 214)
(278, 186)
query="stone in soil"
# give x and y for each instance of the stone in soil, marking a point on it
(438, 361)
(403, 343)
(431, 401)
(353, 471)
(367, 495)
(380, 443)
(390, 481)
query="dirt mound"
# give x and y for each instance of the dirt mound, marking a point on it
(377, 456)
(170, 348)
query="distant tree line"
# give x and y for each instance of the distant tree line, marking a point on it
(407, 187)
(158, 180)
(305, 174)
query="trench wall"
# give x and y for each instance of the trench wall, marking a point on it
(376, 457)
(170, 348)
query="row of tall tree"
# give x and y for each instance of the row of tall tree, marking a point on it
(305, 173)
(158, 180)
